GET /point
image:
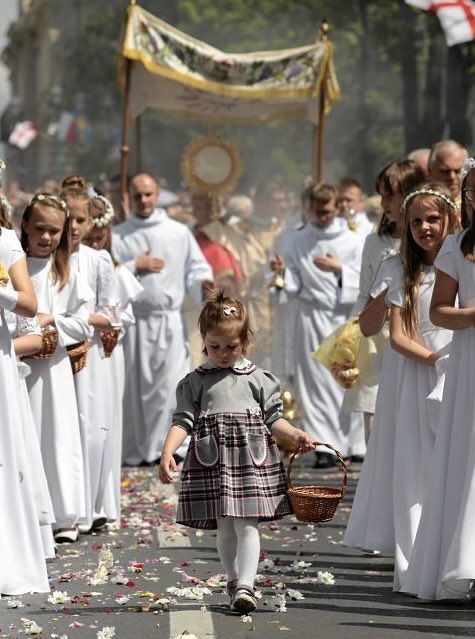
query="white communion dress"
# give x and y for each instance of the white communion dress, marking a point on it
(442, 564)
(22, 561)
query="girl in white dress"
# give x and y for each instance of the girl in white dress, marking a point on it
(94, 394)
(442, 564)
(23, 567)
(26, 337)
(429, 216)
(393, 183)
(128, 288)
(61, 304)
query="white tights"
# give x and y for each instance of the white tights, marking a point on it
(238, 548)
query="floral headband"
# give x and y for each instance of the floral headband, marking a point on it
(5, 205)
(108, 215)
(469, 164)
(438, 194)
(48, 198)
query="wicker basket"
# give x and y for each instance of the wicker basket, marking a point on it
(77, 355)
(315, 504)
(48, 345)
(109, 339)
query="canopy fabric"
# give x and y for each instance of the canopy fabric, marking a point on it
(176, 73)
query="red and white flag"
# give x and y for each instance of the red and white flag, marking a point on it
(457, 18)
(23, 134)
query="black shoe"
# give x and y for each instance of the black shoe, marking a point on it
(325, 460)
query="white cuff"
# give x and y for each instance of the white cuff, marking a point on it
(8, 298)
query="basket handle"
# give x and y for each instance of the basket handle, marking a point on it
(337, 453)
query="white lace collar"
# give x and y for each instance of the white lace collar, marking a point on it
(242, 367)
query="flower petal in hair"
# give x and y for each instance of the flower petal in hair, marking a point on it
(229, 310)
(469, 164)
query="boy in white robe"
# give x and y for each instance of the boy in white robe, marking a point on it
(166, 258)
(321, 267)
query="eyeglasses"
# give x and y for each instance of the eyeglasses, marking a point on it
(470, 194)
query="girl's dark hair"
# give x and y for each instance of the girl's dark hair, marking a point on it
(5, 218)
(225, 314)
(413, 257)
(74, 182)
(401, 178)
(60, 257)
(467, 245)
(465, 218)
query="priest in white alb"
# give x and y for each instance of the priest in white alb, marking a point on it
(320, 266)
(165, 257)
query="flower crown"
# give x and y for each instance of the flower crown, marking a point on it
(438, 194)
(44, 197)
(5, 205)
(468, 165)
(108, 215)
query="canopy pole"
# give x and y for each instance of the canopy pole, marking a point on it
(318, 129)
(124, 147)
(138, 143)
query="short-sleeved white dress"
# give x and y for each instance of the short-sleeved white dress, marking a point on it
(22, 562)
(442, 563)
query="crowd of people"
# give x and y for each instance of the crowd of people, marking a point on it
(102, 322)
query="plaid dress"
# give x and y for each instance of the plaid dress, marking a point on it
(233, 466)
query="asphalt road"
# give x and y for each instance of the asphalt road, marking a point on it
(150, 554)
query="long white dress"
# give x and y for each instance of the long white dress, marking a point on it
(442, 564)
(325, 302)
(94, 384)
(362, 397)
(22, 561)
(371, 522)
(414, 433)
(412, 436)
(18, 327)
(156, 347)
(128, 288)
(53, 397)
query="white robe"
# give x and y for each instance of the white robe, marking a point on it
(94, 383)
(128, 288)
(156, 347)
(53, 397)
(442, 563)
(23, 566)
(323, 306)
(18, 327)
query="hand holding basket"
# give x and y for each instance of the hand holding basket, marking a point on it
(48, 345)
(315, 504)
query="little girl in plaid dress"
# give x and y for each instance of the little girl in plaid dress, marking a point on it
(232, 476)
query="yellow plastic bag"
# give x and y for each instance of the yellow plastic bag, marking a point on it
(338, 353)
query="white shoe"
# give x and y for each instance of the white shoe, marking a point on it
(66, 535)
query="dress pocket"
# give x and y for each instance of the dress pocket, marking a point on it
(257, 447)
(206, 450)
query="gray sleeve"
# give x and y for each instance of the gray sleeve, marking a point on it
(186, 406)
(270, 399)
